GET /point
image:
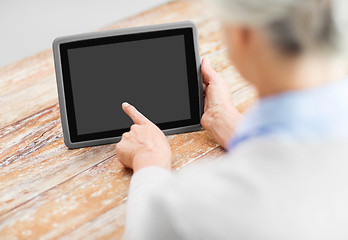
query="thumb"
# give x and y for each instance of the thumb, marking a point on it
(208, 73)
(134, 114)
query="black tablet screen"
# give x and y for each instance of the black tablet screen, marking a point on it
(150, 74)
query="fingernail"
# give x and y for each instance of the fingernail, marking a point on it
(125, 104)
(207, 60)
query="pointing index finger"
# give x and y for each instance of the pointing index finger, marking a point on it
(134, 114)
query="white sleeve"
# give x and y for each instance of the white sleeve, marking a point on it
(143, 214)
(256, 192)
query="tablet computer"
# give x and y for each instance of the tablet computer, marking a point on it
(155, 68)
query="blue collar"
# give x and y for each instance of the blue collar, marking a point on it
(320, 112)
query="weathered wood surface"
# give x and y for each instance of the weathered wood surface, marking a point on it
(48, 191)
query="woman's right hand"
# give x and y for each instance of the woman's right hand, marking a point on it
(220, 115)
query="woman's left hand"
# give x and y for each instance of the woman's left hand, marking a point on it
(144, 145)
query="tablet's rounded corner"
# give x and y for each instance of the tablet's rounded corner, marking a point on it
(188, 23)
(56, 42)
(69, 144)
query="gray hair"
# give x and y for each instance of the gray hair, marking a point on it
(295, 26)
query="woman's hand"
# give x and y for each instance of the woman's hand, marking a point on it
(144, 145)
(220, 115)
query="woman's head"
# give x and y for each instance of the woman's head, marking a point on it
(284, 30)
(294, 26)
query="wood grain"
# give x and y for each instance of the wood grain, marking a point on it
(48, 191)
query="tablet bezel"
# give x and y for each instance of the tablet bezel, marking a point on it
(60, 47)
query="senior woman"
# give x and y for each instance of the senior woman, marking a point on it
(285, 175)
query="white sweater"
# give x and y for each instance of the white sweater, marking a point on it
(267, 188)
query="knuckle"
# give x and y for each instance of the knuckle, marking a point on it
(206, 120)
(118, 147)
(134, 127)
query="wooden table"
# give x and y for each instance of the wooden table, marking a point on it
(48, 191)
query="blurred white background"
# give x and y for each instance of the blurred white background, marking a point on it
(28, 27)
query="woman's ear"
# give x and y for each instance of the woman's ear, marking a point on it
(244, 37)
(239, 42)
